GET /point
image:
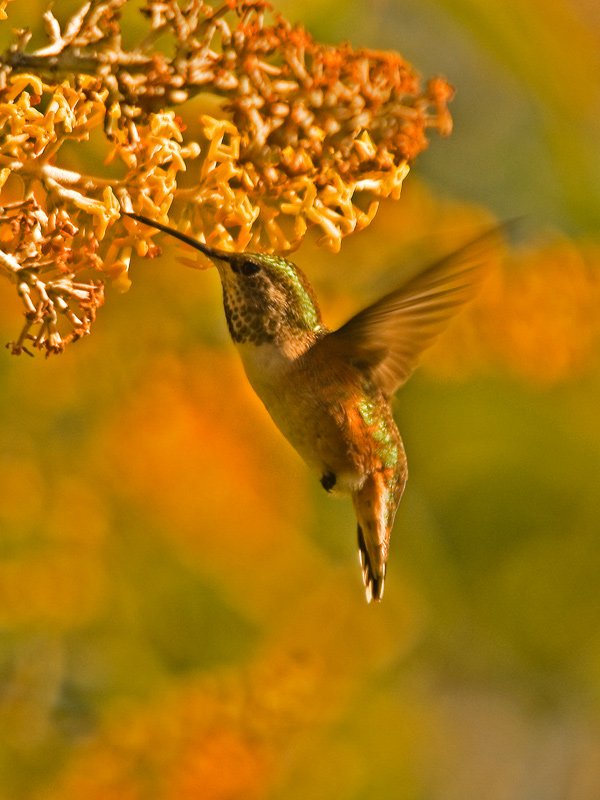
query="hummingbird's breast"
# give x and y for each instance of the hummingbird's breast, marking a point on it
(340, 424)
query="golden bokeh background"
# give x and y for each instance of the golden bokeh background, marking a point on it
(181, 608)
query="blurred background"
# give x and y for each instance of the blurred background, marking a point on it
(181, 608)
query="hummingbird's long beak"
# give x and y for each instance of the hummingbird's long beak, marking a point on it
(204, 248)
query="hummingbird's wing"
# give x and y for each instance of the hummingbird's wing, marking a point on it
(387, 338)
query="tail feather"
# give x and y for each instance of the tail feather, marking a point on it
(373, 581)
(375, 504)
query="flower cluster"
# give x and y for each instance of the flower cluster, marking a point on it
(36, 242)
(287, 134)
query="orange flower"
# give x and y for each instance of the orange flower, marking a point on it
(294, 114)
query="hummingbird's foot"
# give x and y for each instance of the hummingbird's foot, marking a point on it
(328, 481)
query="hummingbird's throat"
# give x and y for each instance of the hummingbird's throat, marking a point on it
(247, 324)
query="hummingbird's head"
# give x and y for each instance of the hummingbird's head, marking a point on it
(266, 298)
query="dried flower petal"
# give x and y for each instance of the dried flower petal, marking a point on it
(304, 128)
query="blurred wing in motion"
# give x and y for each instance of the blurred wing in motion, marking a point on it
(387, 338)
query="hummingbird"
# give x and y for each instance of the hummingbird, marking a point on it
(329, 391)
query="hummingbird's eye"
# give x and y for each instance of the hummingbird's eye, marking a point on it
(248, 268)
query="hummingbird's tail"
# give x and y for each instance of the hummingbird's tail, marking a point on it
(373, 581)
(375, 504)
(375, 514)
